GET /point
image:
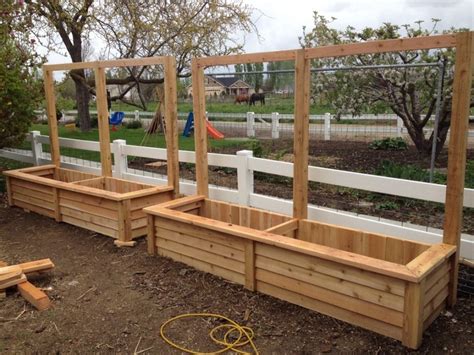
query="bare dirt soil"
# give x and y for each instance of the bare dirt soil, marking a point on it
(350, 156)
(105, 299)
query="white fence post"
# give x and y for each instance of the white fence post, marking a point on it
(36, 147)
(250, 124)
(137, 115)
(120, 158)
(244, 176)
(399, 127)
(275, 125)
(327, 126)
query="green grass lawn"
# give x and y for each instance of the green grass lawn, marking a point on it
(272, 104)
(133, 137)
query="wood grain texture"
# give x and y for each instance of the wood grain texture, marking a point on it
(301, 135)
(103, 122)
(52, 119)
(462, 86)
(200, 131)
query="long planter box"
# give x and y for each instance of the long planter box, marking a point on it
(109, 206)
(390, 286)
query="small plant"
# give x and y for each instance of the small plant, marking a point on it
(133, 124)
(257, 148)
(388, 144)
(408, 172)
(388, 206)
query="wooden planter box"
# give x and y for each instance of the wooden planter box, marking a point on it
(391, 286)
(109, 206)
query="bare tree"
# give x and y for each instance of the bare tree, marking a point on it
(139, 28)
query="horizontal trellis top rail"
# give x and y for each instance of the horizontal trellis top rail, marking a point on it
(372, 47)
(113, 63)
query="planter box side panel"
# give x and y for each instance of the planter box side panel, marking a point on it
(31, 196)
(369, 300)
(357, 241)
(241, 215)
(436, 293)
(89, 212)
(138, 217)
(68, 175)
(208, 251)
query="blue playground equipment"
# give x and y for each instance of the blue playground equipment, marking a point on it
(189, 126)
(116, 119)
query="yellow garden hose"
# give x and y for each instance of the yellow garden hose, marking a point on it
(245, 337)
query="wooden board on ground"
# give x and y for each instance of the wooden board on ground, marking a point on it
(156, 164)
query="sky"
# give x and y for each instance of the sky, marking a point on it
(280, 21)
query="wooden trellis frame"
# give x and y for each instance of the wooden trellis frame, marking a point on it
(103, 204)
(388, 285)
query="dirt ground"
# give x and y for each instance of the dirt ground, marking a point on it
(106, 299)
(350, 156)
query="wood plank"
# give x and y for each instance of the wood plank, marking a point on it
(139, 223)
(342, 257)
(52, 119)
(139, 232)
(203, 266)
(330, 268)
(46, 190)
(36, 265)
(88, 208)
(434, 315)
(87, 217)
(250, 279)
(436, 288)
(180, 202)
(434, 276)
(112, 63)
(33, 200)
(209, 257)
(200, 131)
(331, 283)
(413, 315)
(124, 222)
(34, 208)
(10, 273)
(275, 56)
(301, 135)
(103, 119)
(57, 208)
(330, 310)
(431, 259)
(91, 226)
(382, 46)
(49, 197)
(461, 99)
(150, 200)
(150, 241)
(201, 233)
(340, 300)
(88, 199)
(171, 119)
(202, 244)
(13, 281)
(284, 228)
(433, 305)
(34, 295)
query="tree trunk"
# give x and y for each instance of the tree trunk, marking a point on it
(82, 100)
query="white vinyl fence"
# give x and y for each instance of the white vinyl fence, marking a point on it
(246, 165)
(274, 125)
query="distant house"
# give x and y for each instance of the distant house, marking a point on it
(226, 85)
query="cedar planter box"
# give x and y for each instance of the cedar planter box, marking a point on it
(390, 286)
(109, 206)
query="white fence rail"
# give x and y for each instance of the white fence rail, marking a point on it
(246, 165)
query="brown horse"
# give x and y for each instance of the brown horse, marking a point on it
(241, 98)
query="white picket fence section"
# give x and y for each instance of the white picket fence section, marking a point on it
(246, 165)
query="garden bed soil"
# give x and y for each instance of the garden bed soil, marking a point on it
(99, 310)
(351, 156)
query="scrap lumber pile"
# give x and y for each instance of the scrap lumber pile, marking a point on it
(17, 276)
